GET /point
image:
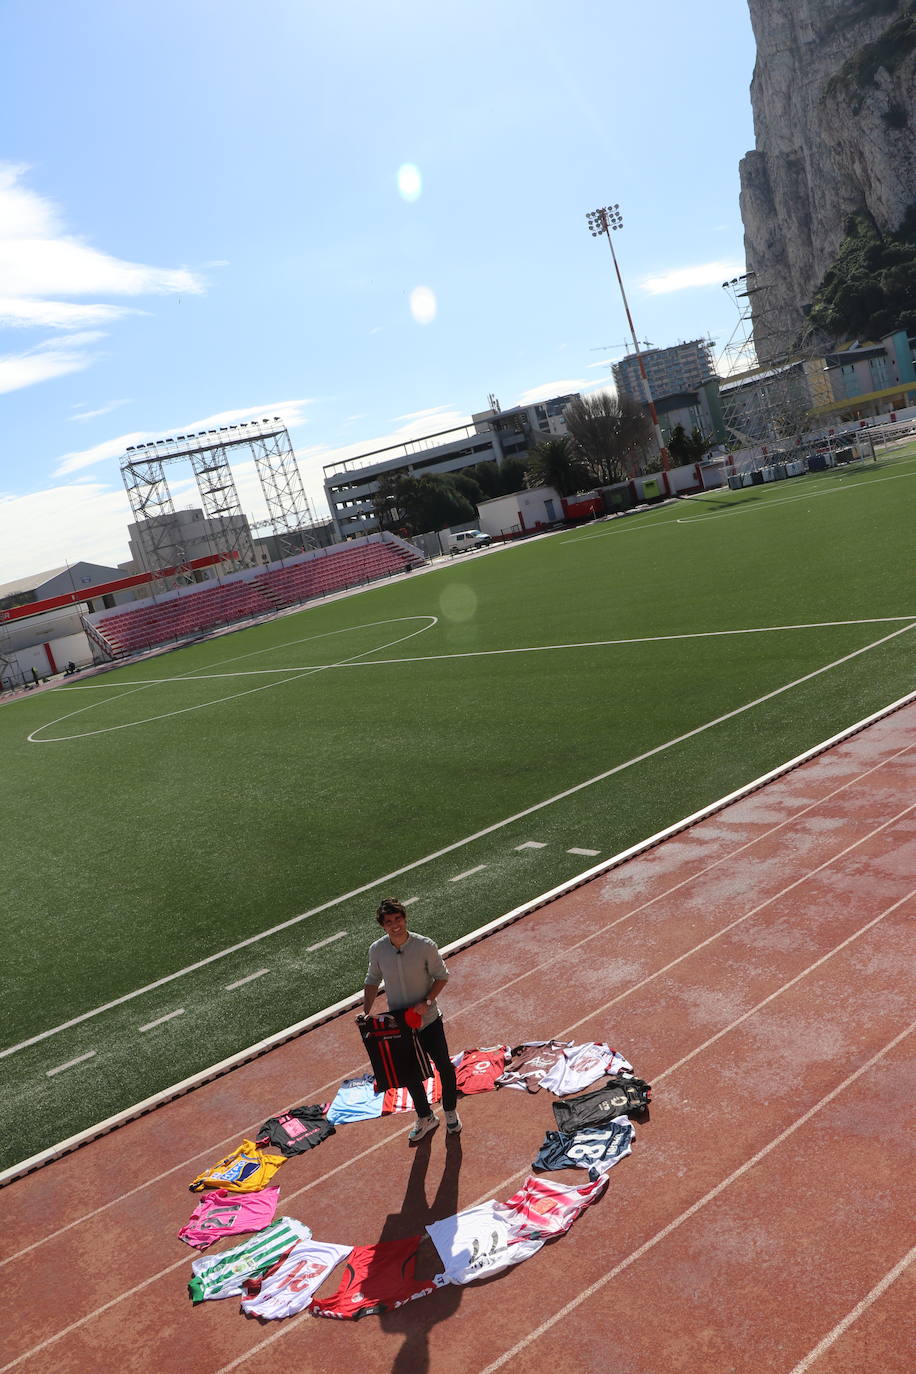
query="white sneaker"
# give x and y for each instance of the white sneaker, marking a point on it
(423, 1126)
(452, 1123)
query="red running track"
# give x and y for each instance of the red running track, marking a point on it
(754, 968)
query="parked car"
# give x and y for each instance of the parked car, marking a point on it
(467, 539)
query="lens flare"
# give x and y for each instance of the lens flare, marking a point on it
(423, 304)
(410, 181)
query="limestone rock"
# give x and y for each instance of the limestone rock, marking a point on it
(833, 102)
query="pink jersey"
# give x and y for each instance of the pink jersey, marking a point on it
(221, 1213)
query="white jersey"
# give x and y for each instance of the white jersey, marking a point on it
(223, 1276)
(483, 1240)
(581, 1065)
(480, 1241)
(290, 1286)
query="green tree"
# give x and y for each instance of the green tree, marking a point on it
(388, 504)
(553, 463)
(687, 448)
(609, 434)
(433, 502)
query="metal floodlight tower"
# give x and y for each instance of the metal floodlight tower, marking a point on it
(281, 483)
(267, 441)
(603, 221)
(153, 510)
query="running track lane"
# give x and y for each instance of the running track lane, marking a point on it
(751, 967)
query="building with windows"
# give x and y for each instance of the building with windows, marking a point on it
(492, 436)
(869, 378)
(180, 536)
(669, 371)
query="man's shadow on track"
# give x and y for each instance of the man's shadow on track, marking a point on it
(417, 1318)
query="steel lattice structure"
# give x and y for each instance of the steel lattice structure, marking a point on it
(208, 451)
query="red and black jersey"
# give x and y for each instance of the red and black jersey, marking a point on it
(376, 1279)
(395, 1054)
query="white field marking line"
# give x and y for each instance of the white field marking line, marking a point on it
(183, 1262)
(467, 873)
(799, 496)
(457, 844)
(409, 901)
(739, 920)
(842, 1326)
(170, 1016)
(532, 844)
(320, 944)
(471, 1006)
(249, 978)
(494, 653)
(90, 1054)
(696, 1207)
(586, 853)
(217, 701)
(758, 505)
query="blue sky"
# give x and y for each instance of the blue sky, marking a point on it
(201, 217)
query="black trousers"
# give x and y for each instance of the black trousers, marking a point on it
(432, 1038)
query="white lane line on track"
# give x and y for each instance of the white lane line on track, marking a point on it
(496, 653)
(249, 978)
(458, 844)
(871, 1296)
(691, 1211)
(739, 920)
(90, 1054)
(316, 1093)
(320, 944)
(586, 853)
(324, 1178)
(467, 873)
(170, 1016)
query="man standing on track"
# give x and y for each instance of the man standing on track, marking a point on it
(412, 970)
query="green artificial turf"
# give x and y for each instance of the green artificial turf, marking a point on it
(178, 806)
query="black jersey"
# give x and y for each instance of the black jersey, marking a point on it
(618, 1097)
(295, 1131)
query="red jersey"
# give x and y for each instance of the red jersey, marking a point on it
(376, 1279)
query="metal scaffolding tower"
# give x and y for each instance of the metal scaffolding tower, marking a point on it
(208, 451)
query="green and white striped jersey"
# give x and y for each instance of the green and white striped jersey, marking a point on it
(223, 1276)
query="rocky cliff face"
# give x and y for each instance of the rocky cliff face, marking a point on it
(833, 101)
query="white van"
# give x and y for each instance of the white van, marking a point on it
(467, 539)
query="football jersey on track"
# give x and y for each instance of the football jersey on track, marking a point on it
(581, 1065)
(295, 1131)
(481, 1241)
(592, 1109)
(356, 1100)
(220, 1213)
(399, 1099)
(544, 1209)
(246, 1170)
(289, 1286)
(223, 1276)
(477, 1070)
(530, 1062)
(376, 1279)
(596, 1148)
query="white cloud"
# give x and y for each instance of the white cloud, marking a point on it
(71, 521)
(106, 409)
(40, 262)
(546, 390)
(292, 413)
(685, 278)
(40, 364)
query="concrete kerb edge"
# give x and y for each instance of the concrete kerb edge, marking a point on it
(331, 1013)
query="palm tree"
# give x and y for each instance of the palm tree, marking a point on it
(553, 464)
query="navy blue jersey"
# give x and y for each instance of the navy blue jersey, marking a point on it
(595, 1148)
